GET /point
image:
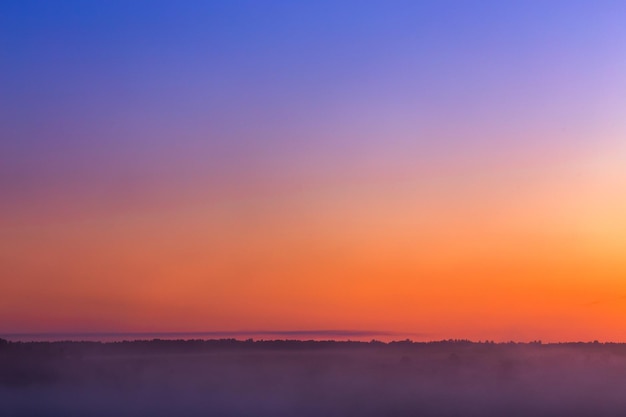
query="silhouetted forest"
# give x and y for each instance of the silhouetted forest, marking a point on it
(230, 377)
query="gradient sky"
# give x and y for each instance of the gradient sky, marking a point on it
(455, 169)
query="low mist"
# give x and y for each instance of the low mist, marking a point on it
(288, 378)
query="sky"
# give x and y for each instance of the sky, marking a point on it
(448, 169)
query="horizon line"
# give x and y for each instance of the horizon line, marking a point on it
(218, 332)
(333, 334)
(147, 335)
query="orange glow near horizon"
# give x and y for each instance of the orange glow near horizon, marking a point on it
(524, 264)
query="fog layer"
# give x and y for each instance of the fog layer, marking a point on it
(290, 378)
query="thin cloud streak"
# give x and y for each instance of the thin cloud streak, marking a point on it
(276, 334)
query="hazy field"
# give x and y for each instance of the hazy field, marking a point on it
(229, 378)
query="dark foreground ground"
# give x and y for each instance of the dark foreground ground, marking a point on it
(289, 378)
